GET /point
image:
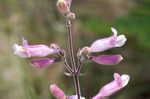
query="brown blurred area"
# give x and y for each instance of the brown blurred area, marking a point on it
(38, 21)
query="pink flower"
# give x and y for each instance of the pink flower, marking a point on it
(59, 94)
(102, 45)
(118, 83)
(107, 43)
(107, 60)
(43, 62)
(27, 51)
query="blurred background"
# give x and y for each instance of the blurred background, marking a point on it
(38, 21)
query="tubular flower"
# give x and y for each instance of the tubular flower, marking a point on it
(59, 94)
(118, 83)
(43, 62)
(105, 59)
(27, 51)
(107, 43)
(102, 45)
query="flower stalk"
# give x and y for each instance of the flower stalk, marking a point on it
(73, 63)
(58, 54)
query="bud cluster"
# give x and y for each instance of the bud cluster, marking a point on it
(64, 8)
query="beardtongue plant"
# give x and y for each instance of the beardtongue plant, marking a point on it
(58, 54)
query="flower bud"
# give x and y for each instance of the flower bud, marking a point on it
(57, 92)
(71, 16)
(84, 51)
(63, 7)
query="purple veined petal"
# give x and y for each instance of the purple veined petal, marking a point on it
(118, 83)
(107, 43)
(43, 62)
(107, 60)
(57, 92)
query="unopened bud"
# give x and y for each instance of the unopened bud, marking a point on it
(71, 16)
(63, 6)
(58, 93)
(62, 52)
(83, 52)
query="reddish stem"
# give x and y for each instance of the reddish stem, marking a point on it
(73, 63)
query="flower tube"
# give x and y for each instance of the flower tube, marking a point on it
(118, 83)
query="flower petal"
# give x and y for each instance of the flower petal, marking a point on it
(20, 51)
(43, 62)
(121, 39)
(105, 43)
(118, 83)
(102, 44)
(114, 31)
(75, 97)
(125, 79)
(24, 43)
(58, 93)
(107, 60)
(39, 51)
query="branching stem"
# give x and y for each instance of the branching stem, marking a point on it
(73, 63)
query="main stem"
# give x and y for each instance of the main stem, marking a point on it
(75, 75)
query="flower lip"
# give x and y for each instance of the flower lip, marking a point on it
(114, 31)
(121, 39)
(125, 79)
(122, 80)
(19, 50)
